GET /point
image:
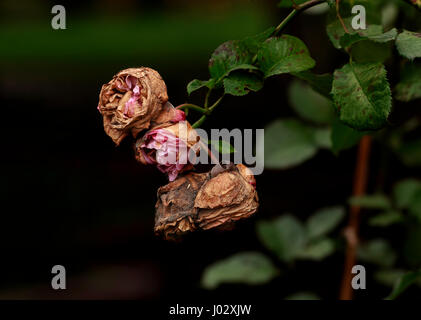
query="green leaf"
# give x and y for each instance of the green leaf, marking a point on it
(321, 83)
(288, 143)
(317, 250)
(283, 55)
(376, 201)
(241, 83)
(388, 277)
(254, 42)
(324, 221)
(235, 55)
(385, 219)
(223, 147)
(309, 104)
(344, 137)
(373, 33)
(229, 56)
(362, 95)
(410, 86)
(378, 252)
(409, 44)
(335, 31)
(415, 205)
(322, 138)
(410, 153)
(285, 236)
(404, 191)
(196, 85)
(384, 37)
(303, 296)
(403, 283)
(252, 268)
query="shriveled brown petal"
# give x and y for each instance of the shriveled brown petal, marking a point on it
(247, 174)
(226, 198)
(112, 100)
(175, 211)
(204, 201)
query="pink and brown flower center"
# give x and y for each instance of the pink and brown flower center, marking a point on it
(166, 150)
(132, 88)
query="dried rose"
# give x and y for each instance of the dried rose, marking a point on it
(205, 200)
(175, 211)
(168, 148)
(227, 197)
(130, 101)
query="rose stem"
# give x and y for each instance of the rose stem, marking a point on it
(297, 8)
(191, 106)
(209, 110)
(339, 17)
(351, 231)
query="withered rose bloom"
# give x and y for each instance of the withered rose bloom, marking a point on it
(168, 148)
(175, 211)
(201, 201)
(130, 101)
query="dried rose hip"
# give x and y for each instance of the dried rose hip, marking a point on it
(205, 200)
(168, 148)
(130, 101)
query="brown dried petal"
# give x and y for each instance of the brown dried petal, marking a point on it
(202, 201)
(175, 212)
(112, 100)
(226, 198)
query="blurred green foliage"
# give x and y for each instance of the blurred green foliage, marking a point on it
(156, 38)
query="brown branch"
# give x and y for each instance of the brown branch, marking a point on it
(351, 231)
(340, 18)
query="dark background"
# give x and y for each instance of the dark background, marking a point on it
(70, 197)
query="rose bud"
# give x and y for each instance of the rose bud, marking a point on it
(168, 148)
(205, 200)
(130, 101)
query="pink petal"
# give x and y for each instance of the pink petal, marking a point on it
(179, 116)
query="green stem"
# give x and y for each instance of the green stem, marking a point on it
(192, 106)
(292, 14)
(207, 99)
(199, 122)
(215, 104)
(284, 22)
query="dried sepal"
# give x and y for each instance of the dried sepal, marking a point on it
(130, 101)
